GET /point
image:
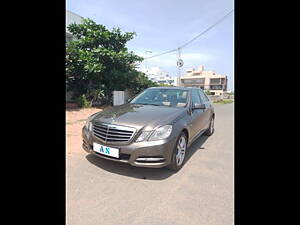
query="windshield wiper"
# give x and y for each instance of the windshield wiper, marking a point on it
(146, 104)
(152, 104)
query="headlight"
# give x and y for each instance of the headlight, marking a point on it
(143, 136)
(161, 133)
(88, 125)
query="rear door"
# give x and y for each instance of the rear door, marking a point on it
(197, 114)
(207, 113)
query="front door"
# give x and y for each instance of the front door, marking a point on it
(197, 115)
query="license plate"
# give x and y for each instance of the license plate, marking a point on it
(114, 152)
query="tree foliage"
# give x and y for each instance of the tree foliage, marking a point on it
(207, 92)
(99, 60)
(166, 85)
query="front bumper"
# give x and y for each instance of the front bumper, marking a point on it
(153, 154)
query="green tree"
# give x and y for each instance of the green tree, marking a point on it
(99, 60)
(141, 82)
(165, 85)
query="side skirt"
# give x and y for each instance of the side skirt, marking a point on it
(196, 137)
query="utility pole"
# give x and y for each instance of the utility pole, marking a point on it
(179, 64)
(146, 59)
(178, 58)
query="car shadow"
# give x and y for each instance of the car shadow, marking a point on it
(125, 169)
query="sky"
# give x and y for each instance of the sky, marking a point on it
(163, 25)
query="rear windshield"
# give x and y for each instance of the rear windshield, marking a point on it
(162, 97)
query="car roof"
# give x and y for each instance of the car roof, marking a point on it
(180, 88)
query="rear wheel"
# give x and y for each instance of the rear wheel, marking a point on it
(179, 151)
(211, 127)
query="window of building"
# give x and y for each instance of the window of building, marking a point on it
(215, 81)
(193, 81)
(216, 87)
(186, 81)
(200, 81)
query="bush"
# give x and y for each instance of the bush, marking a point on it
(224, 101)
(82, 102)
(207, 92)
(95, 96)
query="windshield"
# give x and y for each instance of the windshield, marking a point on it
(162, 97)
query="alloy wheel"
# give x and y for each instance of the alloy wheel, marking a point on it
(181, 148)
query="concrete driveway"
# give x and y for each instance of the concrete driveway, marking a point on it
(105, 192)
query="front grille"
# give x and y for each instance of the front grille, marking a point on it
(113, 133)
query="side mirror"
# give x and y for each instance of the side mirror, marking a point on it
(199, 106)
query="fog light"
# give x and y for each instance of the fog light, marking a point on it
(150, 159)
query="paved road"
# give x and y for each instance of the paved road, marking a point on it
(104, 192)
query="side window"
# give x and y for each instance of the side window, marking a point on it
(195, 97)
(204, 98)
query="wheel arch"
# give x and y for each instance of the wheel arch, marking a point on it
(184, 130)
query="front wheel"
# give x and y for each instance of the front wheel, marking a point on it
(178, 154)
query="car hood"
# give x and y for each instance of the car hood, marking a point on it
(139, 116)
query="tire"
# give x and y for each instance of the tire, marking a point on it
(211, 128)
(177, 160)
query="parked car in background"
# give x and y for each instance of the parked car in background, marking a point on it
(154, 129)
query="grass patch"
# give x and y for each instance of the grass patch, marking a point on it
(224, 101)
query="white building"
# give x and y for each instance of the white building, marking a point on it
(160, 76)
(71, 18)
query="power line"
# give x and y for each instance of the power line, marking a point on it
(219, 21)
(162, 53)
(182, 46)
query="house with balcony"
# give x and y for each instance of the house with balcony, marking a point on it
(206, 80)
